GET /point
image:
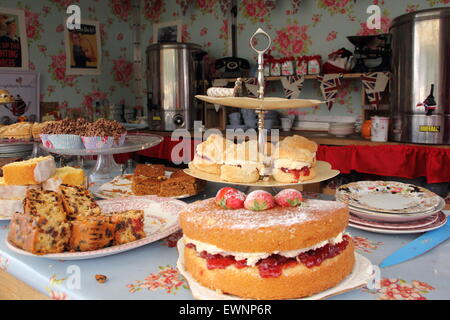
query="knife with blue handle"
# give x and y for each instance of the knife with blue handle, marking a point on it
(422, 244)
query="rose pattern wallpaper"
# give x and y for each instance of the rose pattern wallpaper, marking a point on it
(297, 28)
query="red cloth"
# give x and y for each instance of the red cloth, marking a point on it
(386, 160)
(390, 160)
(164, 150)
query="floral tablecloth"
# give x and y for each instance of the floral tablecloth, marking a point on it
(150, 272)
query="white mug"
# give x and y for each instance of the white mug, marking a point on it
(286, 124)
(380, 128)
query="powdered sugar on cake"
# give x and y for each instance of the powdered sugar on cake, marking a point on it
(310, 210)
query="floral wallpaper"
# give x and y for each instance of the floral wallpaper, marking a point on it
(297, 27)
(44, 28)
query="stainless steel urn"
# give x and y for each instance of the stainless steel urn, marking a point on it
(420, 69)
(174, 75)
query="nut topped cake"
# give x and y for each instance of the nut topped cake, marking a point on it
(261, 247)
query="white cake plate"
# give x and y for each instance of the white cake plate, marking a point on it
(106, 167)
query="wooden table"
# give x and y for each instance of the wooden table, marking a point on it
(14, 289)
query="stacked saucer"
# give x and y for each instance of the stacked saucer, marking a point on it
(392, 207)
(15, 149)
(341, 129)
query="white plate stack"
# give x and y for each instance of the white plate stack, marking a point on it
(392, 207)
(341, 129)
(15, 150)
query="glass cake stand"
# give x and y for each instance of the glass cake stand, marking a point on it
(106, 168)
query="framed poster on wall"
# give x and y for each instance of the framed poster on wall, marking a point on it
(83, 49)
(24, 86)
(13, 40)
(167, 32)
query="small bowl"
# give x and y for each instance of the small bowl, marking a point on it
(341, 132)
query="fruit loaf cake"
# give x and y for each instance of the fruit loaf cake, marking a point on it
(43, 227)
(9, 207)
(266, 248)
(46, 206)
(29, 172)
(91, 233)
(78, 201)
(32, 234)
(129, 226)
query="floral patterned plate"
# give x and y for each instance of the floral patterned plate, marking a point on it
(120, 187)
(396, 218)
(395, 226)
(387, 197)
(440, 221)
(362, 274)
(160, 221)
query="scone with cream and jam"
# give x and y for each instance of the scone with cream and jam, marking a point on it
(210, 154)
(294, 160)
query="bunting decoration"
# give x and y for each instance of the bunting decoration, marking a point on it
(225, 7)
(292, 86)
(252, 86)
(295, 6)
(375, 84)
(184, 5)
(329, 85)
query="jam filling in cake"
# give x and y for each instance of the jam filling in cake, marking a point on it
(272, 266)
(305, 171)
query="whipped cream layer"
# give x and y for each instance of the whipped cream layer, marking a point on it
(290, 164)
(253, 257)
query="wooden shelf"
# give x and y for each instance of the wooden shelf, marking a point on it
(307, 77)
(327, 139)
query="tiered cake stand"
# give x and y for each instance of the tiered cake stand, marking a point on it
(262, 105)
(106, 168)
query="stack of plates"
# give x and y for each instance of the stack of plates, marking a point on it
(392, 207)
(341, 129)
(16, 149)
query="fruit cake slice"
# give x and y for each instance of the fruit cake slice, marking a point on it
(78, 202)
(32, 234)
(91, 233)
(129, 226)
(43, 227)
(46, 206)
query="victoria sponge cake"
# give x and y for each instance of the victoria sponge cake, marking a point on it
(284, 252)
